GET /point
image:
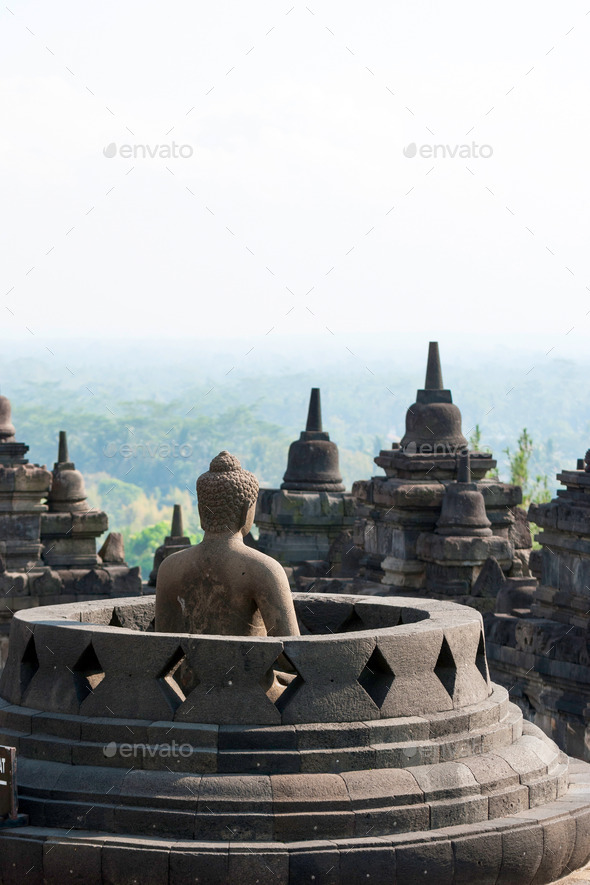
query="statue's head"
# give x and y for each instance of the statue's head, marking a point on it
(227, 496)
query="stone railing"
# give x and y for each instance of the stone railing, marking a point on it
(359, 659)
(389, 753)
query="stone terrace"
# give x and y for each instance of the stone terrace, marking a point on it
(389, 752)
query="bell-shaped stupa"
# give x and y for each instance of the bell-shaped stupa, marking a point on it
(463, 511)
(68, 492)
(433, 422)
(69, 532)
(313, 463)
(432, 489)
(462, 543)
(299, 521)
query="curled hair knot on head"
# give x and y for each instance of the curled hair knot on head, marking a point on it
(222, 493)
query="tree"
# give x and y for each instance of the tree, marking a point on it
(536, 489)
(476, 446)
(519, 461)
(141, 546)
(475, 439)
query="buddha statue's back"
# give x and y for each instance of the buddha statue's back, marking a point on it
(221, 585)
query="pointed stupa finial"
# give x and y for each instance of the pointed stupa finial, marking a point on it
(175, 541)
(434, 379)
(176, 530)
(67, 493)
(62, 451)
(313, 458)
(433, 422)
(314, 413)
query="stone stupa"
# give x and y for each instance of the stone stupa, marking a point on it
(389, 758)
(337, 740)
(542, 653)
(69, 532)
(298, 522)
(23, 488)
(48, 535)
(174, 542)
(463, 541)
(397, 529)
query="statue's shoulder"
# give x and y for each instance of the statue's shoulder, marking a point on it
(174, 564)
(264, 566)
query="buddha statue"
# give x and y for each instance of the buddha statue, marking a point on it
(223, 586)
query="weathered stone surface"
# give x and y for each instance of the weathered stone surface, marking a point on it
(364, 787)
(231, 681)
(132, 617)
(394, 808)
(416, 689)
(355, 861)
(300, 521)
(445, 781)
(477, 859)
(256, 866)
(124, 865)
(329, 690)
(396, 526)
(209, 864)
(113, 549)
(21, 860)
(425, 862)
(66, 671)
(314, 861)
(545, 654)
(136, 669)
(72, 862)
(160, 788)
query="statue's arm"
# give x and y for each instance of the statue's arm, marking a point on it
(168, 610)
(275, 601)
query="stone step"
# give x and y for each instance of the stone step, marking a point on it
(322, 804)
(196, 750)
(538, 845)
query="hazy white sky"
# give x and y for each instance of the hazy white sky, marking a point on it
(297, 210)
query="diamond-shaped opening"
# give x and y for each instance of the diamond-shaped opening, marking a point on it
(88, 673)
(352, 623)
(303, 629)
(286, 682)
(322, 616)
(307, 617)
(481, 661)
(445, 668)
(377, 677)
(28, 666)
(115, 620)
(177, 678)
